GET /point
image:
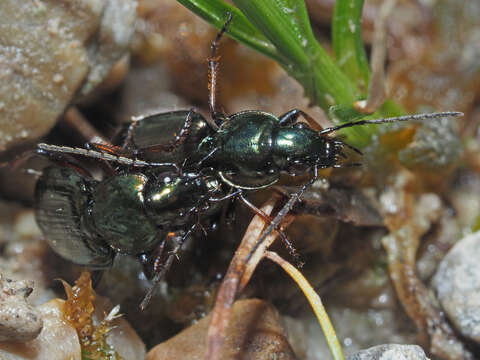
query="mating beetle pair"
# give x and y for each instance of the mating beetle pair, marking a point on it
(173, 171)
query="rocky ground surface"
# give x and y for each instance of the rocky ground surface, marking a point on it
(391, 248)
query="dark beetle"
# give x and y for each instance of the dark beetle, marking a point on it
(166, 137)
(252, 148)
(248, 149)
(88, 221)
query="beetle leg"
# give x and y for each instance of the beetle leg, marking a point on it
(151, 261)
(206, 157)
(342, 144)
(179, 139)
(291, 117)
(284, 211)
(74, 166)
(161, 267)
(228, 212)
(275, 227)
(130, 131)
(213, 62)
(106, 148)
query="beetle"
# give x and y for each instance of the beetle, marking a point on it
(248, 149)
(88, 221)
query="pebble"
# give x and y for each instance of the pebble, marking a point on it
(53, 52)
(57, 341)
(457, 284)
(19, 321)
(390, 352)
(254, 333)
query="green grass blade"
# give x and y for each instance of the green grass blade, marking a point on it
(283, 23)
(215, 13)
(348, 43)
(286, 24)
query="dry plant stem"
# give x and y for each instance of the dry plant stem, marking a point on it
(266, 239)
(376, 89)
(250, 252)
(315, 303)
(420, 304)
(231, 284)
(406, 226)
(258, 250)
(75, 120)
(257, 256)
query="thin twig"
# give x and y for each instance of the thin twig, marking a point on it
(231, 284)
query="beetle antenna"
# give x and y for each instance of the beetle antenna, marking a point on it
(55, 149)
(391, 120)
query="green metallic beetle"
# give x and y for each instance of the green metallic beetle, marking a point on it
(249, 149)
(88, 221)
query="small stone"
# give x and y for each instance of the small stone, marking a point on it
(390, 352)
(19, 321)
(57, 341)
(49, 58)
(457, 283)
(253, 333)
(117, 26)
